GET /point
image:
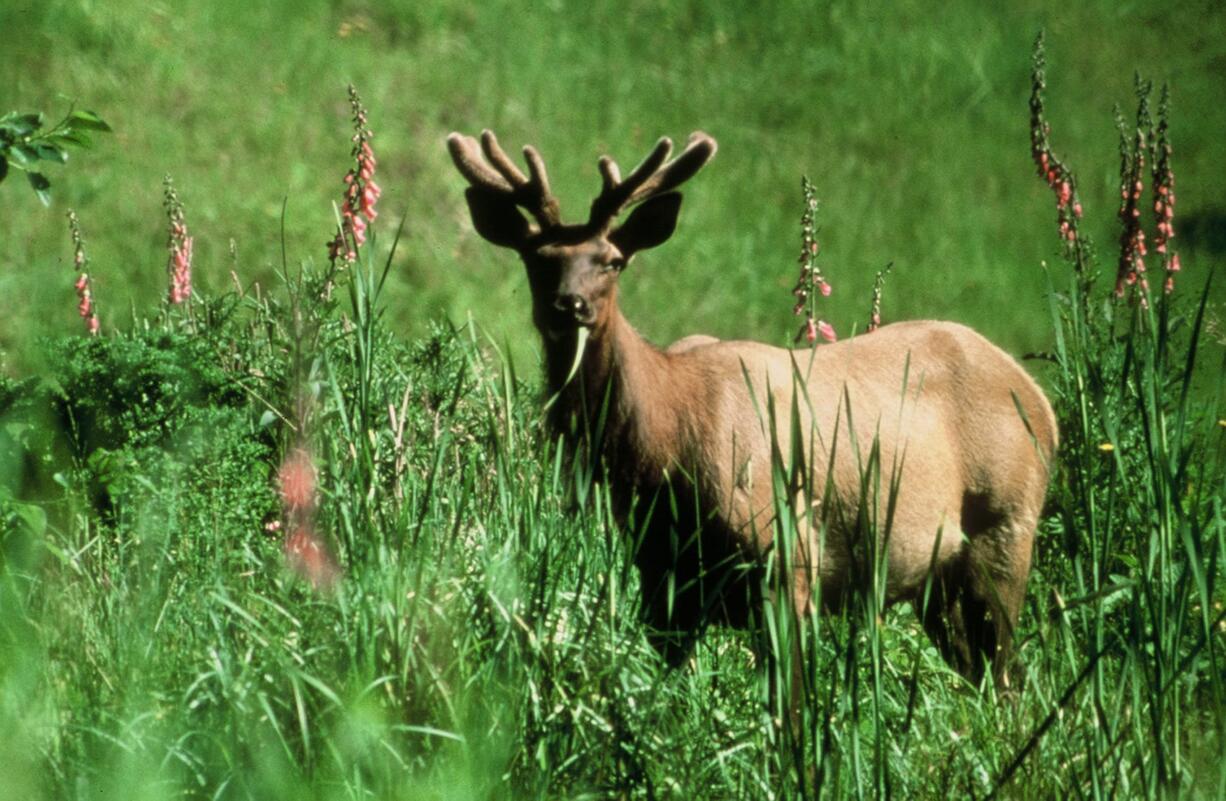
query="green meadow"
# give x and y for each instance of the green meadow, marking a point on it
(482, 639)
(911, 122)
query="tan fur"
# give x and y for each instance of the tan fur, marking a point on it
(687, 446)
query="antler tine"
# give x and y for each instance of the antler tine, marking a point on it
(466, 154)
(487, 166)
(540, 182)
(652, 177)
(698, 151)
(612, 175)
(504, 165)
(649, 165)
(615, 194)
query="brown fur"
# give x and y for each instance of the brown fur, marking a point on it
(687, 450)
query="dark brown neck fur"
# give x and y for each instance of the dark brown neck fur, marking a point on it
(633, 384)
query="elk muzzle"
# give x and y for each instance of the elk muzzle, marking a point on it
(574, 308)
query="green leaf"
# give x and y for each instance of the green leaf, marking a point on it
(34, 517)
(41, 186)
(23, 155)
(19, 125)
(77, 138)
(48, 151)
(88, 120)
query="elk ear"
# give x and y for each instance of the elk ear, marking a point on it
(651, 223)
(497, 218)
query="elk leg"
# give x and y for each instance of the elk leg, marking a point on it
(944, 620)
(997, 565)
(1000, 563)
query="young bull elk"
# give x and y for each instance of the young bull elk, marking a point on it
(683, 431)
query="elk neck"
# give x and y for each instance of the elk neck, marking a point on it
(646, 393)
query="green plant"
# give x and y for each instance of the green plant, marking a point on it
(24, 143)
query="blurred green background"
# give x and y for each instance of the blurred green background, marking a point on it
(910, 118)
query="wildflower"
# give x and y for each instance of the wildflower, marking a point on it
(1106, 447)
(810, 283)
(826, 330)
(306, 555)
(179, 262)
(86, 307)
(874, 320)
(361, 191)
(1059, 178)
(296, 478)
(1164, 195)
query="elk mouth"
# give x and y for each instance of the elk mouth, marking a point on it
(567, 317)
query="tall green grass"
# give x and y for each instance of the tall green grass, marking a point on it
(484, 639)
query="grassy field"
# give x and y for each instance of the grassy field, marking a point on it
(911, 124)
(482, 639)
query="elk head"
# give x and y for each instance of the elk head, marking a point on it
(573, 268)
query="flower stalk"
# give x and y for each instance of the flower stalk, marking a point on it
(361, 192)
(87, 307)
(179, 245)
(874, 319)
(811, 284)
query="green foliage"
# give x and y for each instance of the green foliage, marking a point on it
(485, 639)
(24, 143)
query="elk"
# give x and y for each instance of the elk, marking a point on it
(687, 430)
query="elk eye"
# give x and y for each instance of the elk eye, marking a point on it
(616, 264)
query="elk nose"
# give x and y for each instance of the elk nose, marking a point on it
(574, 305)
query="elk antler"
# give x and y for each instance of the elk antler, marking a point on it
(532, 194)
(652, 177)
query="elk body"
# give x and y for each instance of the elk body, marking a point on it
(687, 430)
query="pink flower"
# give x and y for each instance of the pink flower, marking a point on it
(179, 261)
(358, 225)
(85, 299)
(825, 289)
(826, 330)
(361, 192)
(811, 330)
(307, 556)
(297, 480)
